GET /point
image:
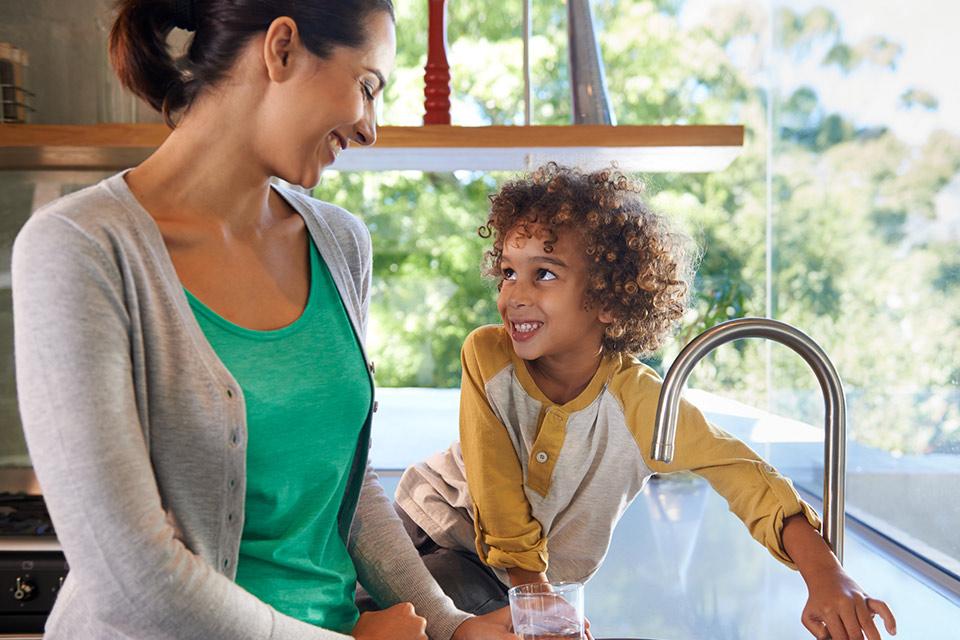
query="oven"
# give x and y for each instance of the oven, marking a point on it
(32, 566)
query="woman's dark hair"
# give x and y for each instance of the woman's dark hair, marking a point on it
(143, 61)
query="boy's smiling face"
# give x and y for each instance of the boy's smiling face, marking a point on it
(541, 299)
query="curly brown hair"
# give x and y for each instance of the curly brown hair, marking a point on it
(639, 267)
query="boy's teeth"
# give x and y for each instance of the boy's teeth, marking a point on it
(525, 327)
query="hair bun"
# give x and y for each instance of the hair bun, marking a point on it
(183, 15)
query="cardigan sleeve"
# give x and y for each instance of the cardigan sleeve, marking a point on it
(389, 566)
(81, 421)
(507, 534)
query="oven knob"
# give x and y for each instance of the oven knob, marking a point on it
(26, 590)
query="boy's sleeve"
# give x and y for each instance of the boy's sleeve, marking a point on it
(507, 533)
(755, 492)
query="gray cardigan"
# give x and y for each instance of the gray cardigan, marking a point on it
(137, 432)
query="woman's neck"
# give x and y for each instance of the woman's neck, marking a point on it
(208, 168)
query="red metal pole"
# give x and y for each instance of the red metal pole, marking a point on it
(436, 90)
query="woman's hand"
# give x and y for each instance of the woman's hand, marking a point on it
(837, 608)
(495, 625)
(399, 622)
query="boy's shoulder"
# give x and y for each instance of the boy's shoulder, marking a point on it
(488, 337)
(489, 348)
(634, 380)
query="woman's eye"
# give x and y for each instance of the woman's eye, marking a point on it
(509, 274)
(367, 91)
(546, 274)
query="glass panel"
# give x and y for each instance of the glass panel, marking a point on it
(866, 211)
(428, 295)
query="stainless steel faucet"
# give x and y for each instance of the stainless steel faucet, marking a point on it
(834, 445)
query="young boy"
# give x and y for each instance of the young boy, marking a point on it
(556, 412)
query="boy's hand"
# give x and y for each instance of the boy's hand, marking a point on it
(495, 625)
(522, 576)
(399, 622)
(837, 608)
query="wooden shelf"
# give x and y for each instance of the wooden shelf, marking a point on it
(680, 148)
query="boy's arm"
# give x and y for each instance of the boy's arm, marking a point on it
(768, 505)
(508, 536)
(754, 491)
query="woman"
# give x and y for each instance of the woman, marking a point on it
(189, 345)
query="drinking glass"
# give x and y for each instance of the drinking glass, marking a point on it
(548, 611)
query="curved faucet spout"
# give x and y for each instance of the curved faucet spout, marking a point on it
(834, 446)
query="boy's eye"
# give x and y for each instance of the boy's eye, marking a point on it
(509, 274)
(367, 90)
(546, 274)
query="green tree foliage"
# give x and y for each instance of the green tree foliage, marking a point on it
(858, 261)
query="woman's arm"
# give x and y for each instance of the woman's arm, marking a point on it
(392, 571)
(389, 567)
(83, 427)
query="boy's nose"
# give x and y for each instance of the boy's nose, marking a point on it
(519, 296)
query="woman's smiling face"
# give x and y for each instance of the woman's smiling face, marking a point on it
(327, 102)
(542, 295)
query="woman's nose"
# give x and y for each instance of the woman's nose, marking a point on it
(365, 131)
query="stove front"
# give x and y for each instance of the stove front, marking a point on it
(32, 567)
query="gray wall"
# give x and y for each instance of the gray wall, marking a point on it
(70, 74)
(68, 67)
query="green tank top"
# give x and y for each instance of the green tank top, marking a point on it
(307, 394)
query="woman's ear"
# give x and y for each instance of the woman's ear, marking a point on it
(605, 316)
(279, 47)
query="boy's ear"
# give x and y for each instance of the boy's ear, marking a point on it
(280, 44)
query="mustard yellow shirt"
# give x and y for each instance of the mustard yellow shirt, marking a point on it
(541, 486)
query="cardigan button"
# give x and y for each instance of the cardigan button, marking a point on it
(542, 457)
